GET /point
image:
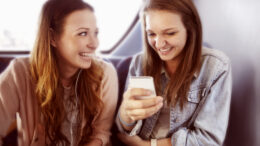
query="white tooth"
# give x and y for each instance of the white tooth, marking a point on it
(165, 50)
(91, 55)
(86, 54)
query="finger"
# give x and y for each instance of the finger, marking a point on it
(139, 114)
(143, 103)
(133, 92)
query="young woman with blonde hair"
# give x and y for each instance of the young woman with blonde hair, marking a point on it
(193, 83)
(63, 94)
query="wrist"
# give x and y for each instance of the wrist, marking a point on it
(153, 142)
(147, 143)
(128, 122)
(124, 116)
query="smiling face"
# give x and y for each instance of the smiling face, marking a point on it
(78, 41)
(166, 34)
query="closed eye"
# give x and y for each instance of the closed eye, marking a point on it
(171, 33)
(151, 34)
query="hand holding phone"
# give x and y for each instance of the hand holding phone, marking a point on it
(135, 105)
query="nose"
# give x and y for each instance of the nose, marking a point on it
(93, 42)
(159, 42)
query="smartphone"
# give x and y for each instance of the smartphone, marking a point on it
(145, 82)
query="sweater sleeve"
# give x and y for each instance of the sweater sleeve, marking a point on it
(9, 95)
(109, 97)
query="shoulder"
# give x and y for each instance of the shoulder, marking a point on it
(106, 66)
(22, 65)
(214, 63)
(22, 62)
(137, 59)
(135, 67)
(109, 80)
(16, 76)
(108, 69)
(215, 57)
(18, 67)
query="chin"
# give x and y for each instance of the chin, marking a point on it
(169, 57)
(85, 65)
(166, 58)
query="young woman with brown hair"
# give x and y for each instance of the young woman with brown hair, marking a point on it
(63, 94)
(193, 83)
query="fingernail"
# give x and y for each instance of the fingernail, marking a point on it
(148, 92)
(159, 99)
(160, 105)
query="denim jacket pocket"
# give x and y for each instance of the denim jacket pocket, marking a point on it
(194, 97)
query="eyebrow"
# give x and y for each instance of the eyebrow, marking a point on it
(83, 28)
(167, 29)
(172, 28)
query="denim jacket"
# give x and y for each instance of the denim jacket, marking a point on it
(204, 119)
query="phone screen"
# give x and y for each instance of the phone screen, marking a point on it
(145, 82)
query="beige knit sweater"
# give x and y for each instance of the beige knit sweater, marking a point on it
(17, 101)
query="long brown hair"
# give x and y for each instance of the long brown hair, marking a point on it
(179, 84)
(46, 76)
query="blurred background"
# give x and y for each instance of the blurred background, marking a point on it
(18, 21)
(232, 26)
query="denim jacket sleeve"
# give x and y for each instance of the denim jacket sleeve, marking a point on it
(209, 126)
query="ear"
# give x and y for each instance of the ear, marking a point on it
(53, 38)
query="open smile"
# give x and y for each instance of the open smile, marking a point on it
(86, 56)
(165, 51)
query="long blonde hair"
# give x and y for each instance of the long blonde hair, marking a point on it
(179, 84)
(45, 75)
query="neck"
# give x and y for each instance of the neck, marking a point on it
(66, 82)
(171, 66)
(66, 74)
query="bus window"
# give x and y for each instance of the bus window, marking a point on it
(19, 22)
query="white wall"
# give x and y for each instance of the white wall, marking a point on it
(234, 27)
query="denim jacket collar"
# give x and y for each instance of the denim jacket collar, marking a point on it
(163, 72)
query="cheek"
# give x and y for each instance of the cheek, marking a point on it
(61, 47)
(182, 43)
(151, 42)
(79, 42)
(179, 41)
(65, 42)
(97, 42)
(183, 39)
(68, 47)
